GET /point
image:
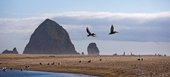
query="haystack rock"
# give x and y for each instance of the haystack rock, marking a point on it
(14, 51)
(92, 49)
(50, 38)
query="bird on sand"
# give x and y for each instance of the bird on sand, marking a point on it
(90, 34)
(112, 30)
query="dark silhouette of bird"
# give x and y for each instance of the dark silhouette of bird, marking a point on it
(112, 30)
(22, 69)
(90, 34)
(80, 61)
(53, 63)
(138, 59)
(89, 61)
(11, 68)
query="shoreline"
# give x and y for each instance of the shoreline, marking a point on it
(109, 66)
(53, 72)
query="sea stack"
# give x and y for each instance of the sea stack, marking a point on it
(14, 51)
(92, 49)
(50, 38)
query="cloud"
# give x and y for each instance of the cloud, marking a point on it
(131, 26)
(139, 18)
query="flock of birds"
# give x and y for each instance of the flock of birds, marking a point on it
(52, 63)
(60, 63)
(94, 35)
(4, 68)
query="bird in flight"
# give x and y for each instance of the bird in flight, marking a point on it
(112, 30)
(90, 34)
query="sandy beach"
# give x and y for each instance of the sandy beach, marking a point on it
(109, 66)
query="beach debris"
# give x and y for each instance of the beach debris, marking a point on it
(4, 69)
(40, 63)
(100, 59)
(112, 30)
(89, 33)
(53, 63)
(89, 61)
(59, 63)
(48, 64)
(80, 61)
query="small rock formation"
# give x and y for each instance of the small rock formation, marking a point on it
(82, 53)
(115, 54)
(92, 49)
(50, 38)
(14, 51)
(124, 53)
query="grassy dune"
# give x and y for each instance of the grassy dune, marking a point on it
(110, 66)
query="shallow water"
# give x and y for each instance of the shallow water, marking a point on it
(26, 73)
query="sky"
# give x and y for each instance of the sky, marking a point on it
(143, 25)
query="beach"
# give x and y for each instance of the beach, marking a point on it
(109, 66)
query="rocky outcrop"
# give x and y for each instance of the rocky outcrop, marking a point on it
(92, 49)
(14, 51)
(50, 38)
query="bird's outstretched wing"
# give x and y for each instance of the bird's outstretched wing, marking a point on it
(88, 31)
(111, 29)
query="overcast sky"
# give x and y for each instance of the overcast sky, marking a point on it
(143, 25)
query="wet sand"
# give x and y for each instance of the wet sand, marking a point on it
(109, 66)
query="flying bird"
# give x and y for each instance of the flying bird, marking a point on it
(112, 30)
(90, 34)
